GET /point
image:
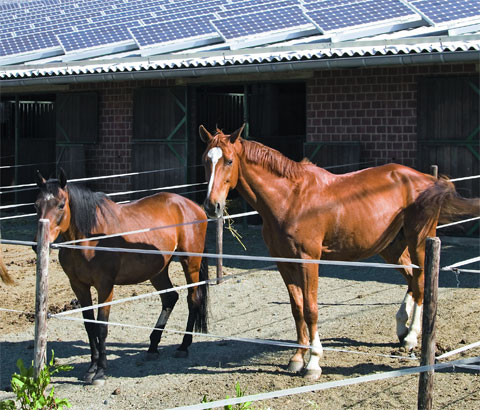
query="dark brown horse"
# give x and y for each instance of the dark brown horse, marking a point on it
(76, 212)
(310, 213)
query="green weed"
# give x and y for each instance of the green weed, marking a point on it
(31, 391)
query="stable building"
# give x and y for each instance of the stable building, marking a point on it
(121, 86)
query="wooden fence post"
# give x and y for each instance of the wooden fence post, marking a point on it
(220, 222)
(432, 267)
(41, 297)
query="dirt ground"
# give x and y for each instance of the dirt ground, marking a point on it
(357, 309)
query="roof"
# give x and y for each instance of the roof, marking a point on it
(94, 40)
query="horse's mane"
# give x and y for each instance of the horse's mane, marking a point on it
(83, 205)
(273, 160)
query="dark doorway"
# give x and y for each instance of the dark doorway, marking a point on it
(27, 143)
(274, 114)
(448, 135)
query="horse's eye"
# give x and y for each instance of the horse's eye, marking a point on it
(61, 205)
(228, 161)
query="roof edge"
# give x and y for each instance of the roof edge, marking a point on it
(323, 63)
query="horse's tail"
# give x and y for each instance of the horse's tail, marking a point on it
(6, 278)
(442, 203)
(201, 319)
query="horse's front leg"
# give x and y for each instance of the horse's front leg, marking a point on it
(295, 294)
(310, 312)
(101, 329)
(82, 292)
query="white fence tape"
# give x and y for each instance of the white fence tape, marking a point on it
(327, 385)
(239, 257)
(459, 350)
(100, 177)
(462, 263)
(231, 338)
(5, 218)
(458, 222)
(465, 178)
(158, 292)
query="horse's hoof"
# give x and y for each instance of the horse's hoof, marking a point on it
(401, 336)
(98, 382)
(295, 366)
(409, 343)
(88, 378)
(312, 374)
(180, 354)
(151, 356)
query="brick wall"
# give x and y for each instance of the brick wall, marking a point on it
(374, 106)
(112, 155)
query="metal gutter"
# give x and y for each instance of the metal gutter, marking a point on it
(252, 68)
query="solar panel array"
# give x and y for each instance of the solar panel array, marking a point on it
(75, 29)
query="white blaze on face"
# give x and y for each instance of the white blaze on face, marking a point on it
(214, 154)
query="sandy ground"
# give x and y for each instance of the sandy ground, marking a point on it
(357, 309)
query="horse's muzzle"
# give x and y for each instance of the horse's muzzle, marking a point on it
(213, 209)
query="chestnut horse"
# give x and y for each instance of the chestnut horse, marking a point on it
(310, 213)
(76, 212)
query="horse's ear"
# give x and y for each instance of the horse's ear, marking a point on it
(40, 180)
(205, 136)
(234, 135)
(62, 177)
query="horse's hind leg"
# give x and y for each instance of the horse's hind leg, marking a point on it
(397, 253)
(196, 269)
(416, 247)
(169, 299)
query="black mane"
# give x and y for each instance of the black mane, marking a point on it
(83, 205)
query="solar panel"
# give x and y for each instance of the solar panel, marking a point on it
(361, 14)
(325, 4)
(445, 11)
(175, 35)
(237, 9)
(264, 27)
(181, 15)
(32, 46)
(97, 41)
(191, 4)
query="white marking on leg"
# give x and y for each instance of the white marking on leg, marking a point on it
(214, 154)
(163, 318)
(315, 354)
(403, 315)
(415, 327)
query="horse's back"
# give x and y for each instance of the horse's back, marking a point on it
(166, 210)
(353, 215)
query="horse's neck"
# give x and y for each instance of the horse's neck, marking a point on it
(265, 191)
(72, 233)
